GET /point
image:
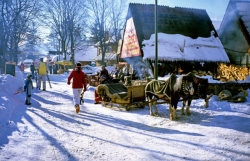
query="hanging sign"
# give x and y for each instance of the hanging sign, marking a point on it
(130, 47)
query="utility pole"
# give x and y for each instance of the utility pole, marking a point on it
(156, 42)
(72, 40)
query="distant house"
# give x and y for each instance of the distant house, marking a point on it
(86, 55)
(234, 32)
(189, 22)
(111, 51)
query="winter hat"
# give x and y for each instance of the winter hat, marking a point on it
(29, 75)
(78, 64)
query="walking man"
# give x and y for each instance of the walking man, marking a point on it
(79, 83)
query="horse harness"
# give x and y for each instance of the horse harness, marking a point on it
(185, 87)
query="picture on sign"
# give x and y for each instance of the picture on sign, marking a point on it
(130, 46)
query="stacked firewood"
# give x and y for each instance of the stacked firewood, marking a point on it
(232, 72)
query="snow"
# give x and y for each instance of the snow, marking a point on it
(176, 47)
(49, 129)
(87, 54)
(56, 58)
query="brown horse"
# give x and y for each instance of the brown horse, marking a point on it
(200, 88)
(171, 91)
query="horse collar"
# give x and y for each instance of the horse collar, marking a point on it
(185, 92)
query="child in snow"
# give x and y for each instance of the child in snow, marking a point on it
(27, 89)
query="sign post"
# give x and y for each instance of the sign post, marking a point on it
(10, 68)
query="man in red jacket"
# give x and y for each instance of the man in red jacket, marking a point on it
(79, 82)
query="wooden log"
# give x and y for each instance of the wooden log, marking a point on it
(232, 72)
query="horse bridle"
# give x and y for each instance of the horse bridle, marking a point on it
(186, 89)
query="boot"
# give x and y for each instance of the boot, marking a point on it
(26, 102)
(77, 108)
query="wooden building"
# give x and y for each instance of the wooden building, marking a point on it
(189, 22)
(234, 32)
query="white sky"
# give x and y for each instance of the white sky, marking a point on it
(49, 129)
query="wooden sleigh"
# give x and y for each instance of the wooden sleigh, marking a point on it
(125, 96)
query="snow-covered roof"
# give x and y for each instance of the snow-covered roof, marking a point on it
(86, 54)
(59, 58)
(108, 56)
(176, 47)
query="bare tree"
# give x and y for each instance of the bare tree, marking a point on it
(15, 17)
(67, 20)
(106, 20)
(117, 19)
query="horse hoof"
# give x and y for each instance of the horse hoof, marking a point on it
(171, 117)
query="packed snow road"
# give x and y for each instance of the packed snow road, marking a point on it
(50, 129)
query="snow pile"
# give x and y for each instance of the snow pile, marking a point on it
(9, 86)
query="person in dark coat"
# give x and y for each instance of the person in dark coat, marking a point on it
(27, 89)
(116, 72)
(32, 69)
(104, 72)
(103, 80)
(79, 83)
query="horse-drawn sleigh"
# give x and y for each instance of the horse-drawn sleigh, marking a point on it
(175, 89)
(144, 93)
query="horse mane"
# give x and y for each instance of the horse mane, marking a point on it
(178, 83)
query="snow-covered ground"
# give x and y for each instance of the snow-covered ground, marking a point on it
(50, 129)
